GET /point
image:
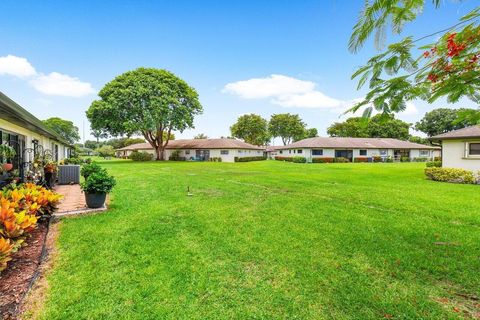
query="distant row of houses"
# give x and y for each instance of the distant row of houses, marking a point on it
(458, 149)
(312, 148)
(30, 137)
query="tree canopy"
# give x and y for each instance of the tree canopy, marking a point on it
(66, 129)
(289, 127)
(251, 128)
(448, 67)
(201, 136)
(379, 126)
(146, 101)
(442, 120)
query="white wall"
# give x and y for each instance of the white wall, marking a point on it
(454, 155)
(30, 135)
(214, 153)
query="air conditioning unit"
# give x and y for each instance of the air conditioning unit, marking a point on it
(69, 174)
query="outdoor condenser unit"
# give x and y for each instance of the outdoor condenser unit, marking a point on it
(69, 174)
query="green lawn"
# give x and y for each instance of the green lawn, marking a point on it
(271, 240)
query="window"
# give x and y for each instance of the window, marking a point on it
(299, 151)
(474, 149)
(239, 151)
(224, 152)
(281, 151)
(424, 153)
(383, 152)
(289, 151)
(363, 152)
(187, 151)
(317, 152)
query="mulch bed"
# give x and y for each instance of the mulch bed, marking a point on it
(16, 280)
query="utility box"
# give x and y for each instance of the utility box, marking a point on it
(69, 174)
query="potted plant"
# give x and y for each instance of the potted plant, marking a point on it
(7, 153)
(96, 188)
(89, 168)
(50, 169)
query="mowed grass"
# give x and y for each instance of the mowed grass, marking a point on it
(271, 240)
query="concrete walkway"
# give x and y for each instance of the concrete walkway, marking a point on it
(73, 201)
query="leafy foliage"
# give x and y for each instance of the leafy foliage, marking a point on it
(66, 129)
(201, 136)
(145, 101)
(89, 168)
(379, 126)
(248, 159)
(453, 175)
(299, 159)
(288, 127)
(105, 151)
(140, 156)
(448, 68)
(98, 182)
(442, 120)
(252, 128)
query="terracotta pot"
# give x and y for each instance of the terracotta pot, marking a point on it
(7, 166)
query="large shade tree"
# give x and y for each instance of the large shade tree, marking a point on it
(251, 128)
(288, 127)
(442, 120)
(379, 126)
(146, 101)
(66, 129)
(448, 67)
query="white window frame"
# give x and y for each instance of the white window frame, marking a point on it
(467, 150)
(224, 152)
(420, 153)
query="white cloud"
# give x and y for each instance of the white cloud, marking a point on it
(57, 84)
(16, 66)
(410, 109)
(284, 91)
(54, 83)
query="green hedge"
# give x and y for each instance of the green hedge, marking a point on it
(299, 159)
(452, 175)
(420, 159)
(437, 164)
(323, 160)
(140, 156)
(341, 160)
(248, 159)
(215, 159)
(288, 159)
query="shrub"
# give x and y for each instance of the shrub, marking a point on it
(215, 159)
(288, 159)
(360, 159)
(98, 182)
(377, 159)
(105, 151)
(437, 164)
(248, 159)
(140, 156)
(452, 175)
(405, 159)
(437, 159)
(420, 159)
(389, 159)
(323, 160)
(6, 248)
(88, 169)
(341, 160)
(21, 206)
(174, 156)
(299, 159)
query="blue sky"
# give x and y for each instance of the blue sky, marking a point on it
(55, 56)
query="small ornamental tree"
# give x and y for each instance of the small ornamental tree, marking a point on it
(448, 67)
(252, 128)
(146, 101)
(287, 126)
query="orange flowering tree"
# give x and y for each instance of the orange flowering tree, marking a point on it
(448, 67)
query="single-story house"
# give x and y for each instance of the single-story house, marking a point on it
(28, 135)
(460, 148)
(200, 149)
(271, 152)
(351, 148)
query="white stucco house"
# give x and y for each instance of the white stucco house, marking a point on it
(460, 148)
(357, 148)
(200, 149)
(28, 135)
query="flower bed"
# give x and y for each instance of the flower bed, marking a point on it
(20, 209)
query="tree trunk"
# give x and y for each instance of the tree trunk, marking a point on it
(159, 153)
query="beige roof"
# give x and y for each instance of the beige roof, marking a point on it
(356, 143)
(469, 132)
(197, 144)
